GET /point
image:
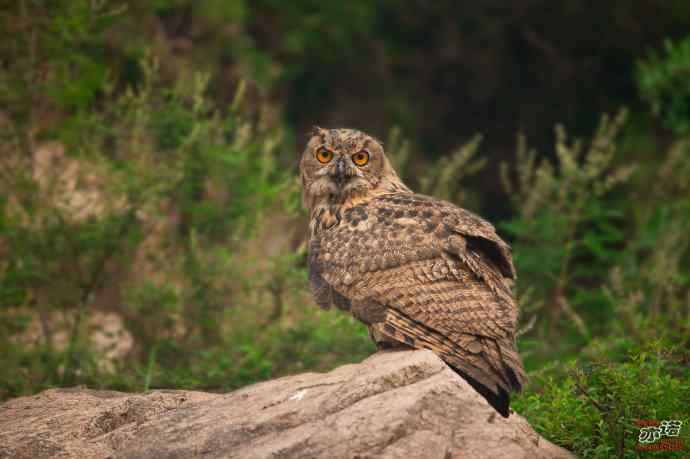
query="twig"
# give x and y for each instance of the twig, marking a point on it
(583, 390)
(89, 287)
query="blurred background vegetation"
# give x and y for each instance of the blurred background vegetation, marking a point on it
(150, 227)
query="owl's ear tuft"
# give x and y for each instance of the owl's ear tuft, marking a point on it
(315, 130)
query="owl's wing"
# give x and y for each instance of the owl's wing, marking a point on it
(443, 277)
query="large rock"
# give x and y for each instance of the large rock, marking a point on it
(404, 404)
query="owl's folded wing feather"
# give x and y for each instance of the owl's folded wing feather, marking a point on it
(444, 277)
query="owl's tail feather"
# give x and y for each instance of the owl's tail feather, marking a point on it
(491, 370)
(500, 401)
(506, 373)
(512, 365)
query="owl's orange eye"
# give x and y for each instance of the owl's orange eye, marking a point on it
(324, 156)
(361, 158)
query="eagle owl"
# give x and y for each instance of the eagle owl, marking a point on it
(418, 271)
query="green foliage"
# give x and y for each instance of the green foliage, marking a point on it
(147, 206)
(444, 176)
(562, 223)
(664, 82)
(59, 251)
(609, 247)
(592, 408)
(53, 51)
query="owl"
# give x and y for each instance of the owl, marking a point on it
(419, 272)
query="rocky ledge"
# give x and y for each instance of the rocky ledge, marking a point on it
(404, 404)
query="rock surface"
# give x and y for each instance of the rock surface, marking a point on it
(404, 404)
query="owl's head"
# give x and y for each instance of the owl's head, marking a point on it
(339, 164)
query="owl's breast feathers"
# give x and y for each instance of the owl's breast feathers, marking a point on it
(427, 274)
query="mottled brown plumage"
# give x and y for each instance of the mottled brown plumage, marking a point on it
(418, 271)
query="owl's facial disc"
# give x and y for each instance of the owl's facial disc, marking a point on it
(343, 164)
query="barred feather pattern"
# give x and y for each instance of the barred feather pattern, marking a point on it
(415, 262)
(419, 272)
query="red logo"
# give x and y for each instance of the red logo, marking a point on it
(659, 435)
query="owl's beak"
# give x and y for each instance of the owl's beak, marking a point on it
(340, 169)
(340, 173)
